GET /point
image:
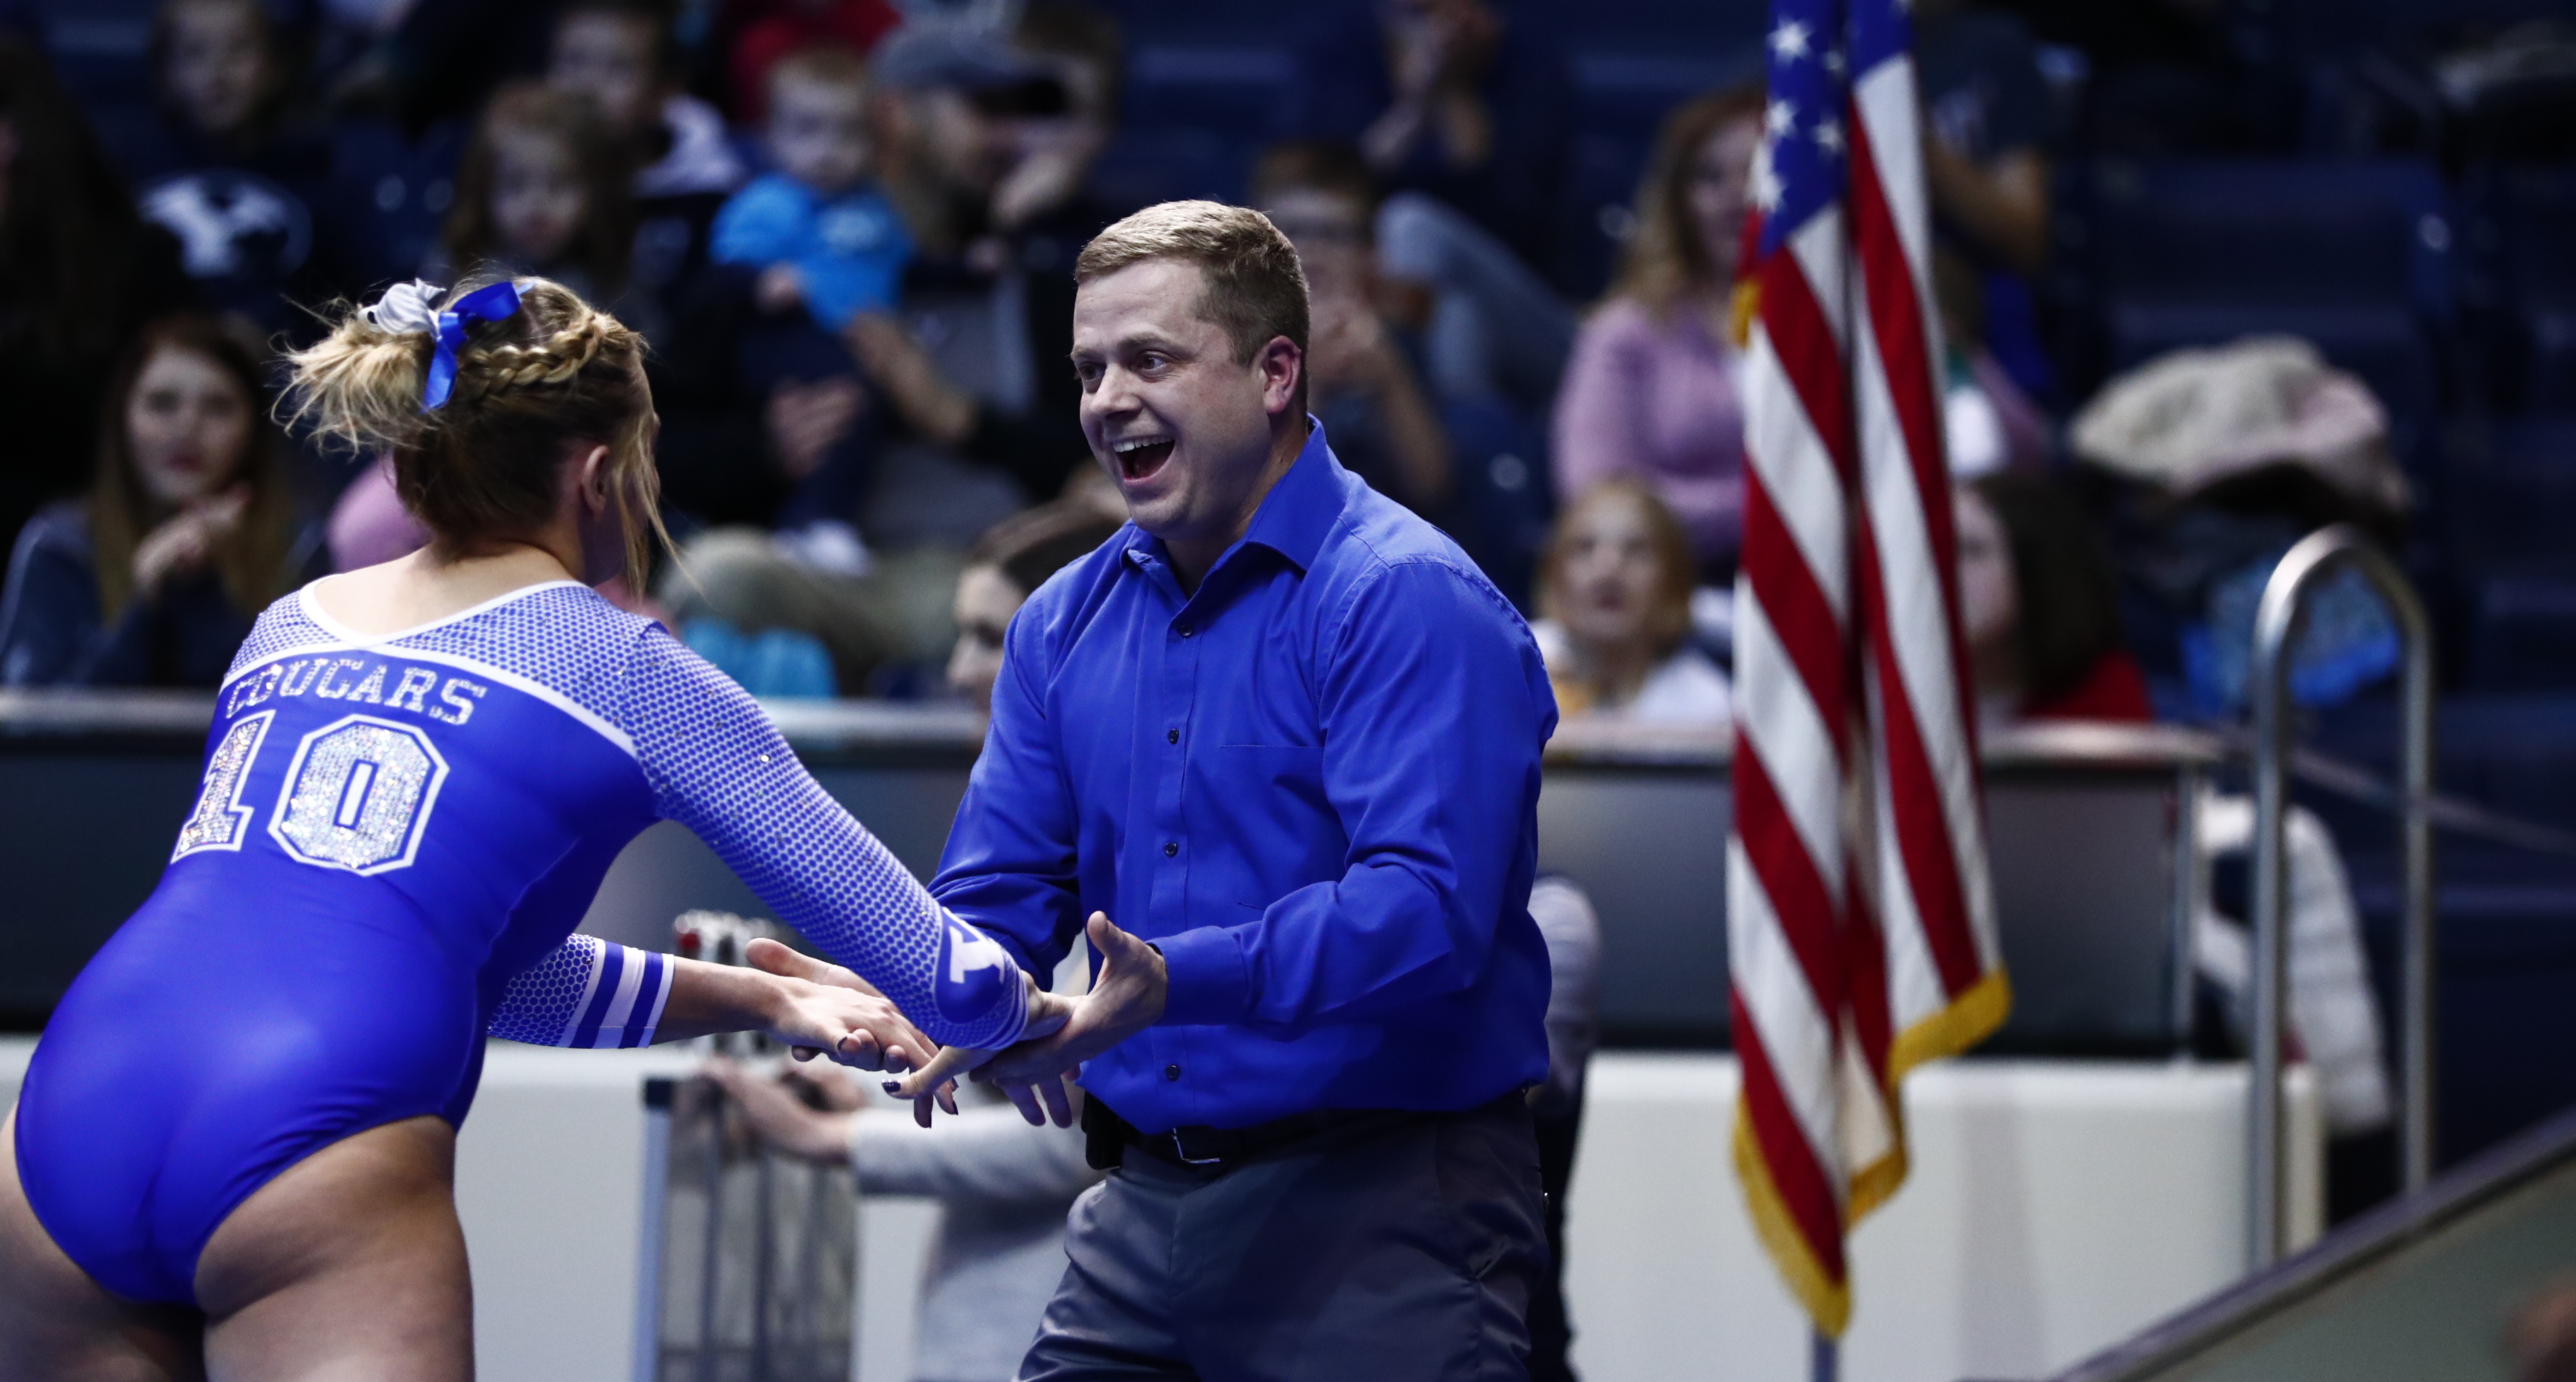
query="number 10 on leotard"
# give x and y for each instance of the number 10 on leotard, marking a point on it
(357, 795)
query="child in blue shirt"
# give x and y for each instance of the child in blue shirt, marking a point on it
(818, 227)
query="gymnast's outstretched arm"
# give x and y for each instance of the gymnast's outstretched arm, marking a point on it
(718, 766)
(590, 992)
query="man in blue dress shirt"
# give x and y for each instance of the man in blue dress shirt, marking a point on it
(1288, 736)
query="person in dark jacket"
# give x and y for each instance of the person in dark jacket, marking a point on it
(186, 534)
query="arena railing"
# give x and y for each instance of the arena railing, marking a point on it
(2277, 622)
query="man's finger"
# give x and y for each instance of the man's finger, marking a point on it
(1025, 1099)
(1059, 1104)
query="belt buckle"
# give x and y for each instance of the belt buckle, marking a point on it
(1181, 1149)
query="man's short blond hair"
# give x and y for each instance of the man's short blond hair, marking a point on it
(1256, 289)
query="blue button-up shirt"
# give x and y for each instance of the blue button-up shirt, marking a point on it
(1313, 782)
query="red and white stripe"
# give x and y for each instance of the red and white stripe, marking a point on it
(1859, 926)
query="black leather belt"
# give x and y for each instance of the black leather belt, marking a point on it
(1217, 1149)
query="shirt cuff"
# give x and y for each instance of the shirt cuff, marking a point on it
(1207, 985)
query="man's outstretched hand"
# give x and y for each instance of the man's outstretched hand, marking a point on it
(1126, 999)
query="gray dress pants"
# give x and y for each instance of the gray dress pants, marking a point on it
(1403, 1253)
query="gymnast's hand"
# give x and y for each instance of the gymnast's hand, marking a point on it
(822, 1008)
(1125, 1000)
(1047, 1012)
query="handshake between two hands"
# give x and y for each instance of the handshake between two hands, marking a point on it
(829, 1010)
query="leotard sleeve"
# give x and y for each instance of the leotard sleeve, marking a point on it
(718, 766)
(588, 992)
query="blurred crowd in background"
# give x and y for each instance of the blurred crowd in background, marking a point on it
(2196, 260)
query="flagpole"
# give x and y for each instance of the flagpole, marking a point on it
(1824, 1358)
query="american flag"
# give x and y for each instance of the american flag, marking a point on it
(1860, 927)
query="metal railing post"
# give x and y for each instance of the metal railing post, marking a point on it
(2276, 625)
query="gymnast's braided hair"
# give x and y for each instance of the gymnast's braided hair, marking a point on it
(479, 401)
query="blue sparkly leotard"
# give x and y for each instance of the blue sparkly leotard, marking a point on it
(395, 838)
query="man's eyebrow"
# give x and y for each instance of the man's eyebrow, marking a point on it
(1148, 340)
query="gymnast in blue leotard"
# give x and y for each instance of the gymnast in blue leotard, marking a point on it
(397, 833)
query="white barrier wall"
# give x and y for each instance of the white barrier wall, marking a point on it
(2054, 1208)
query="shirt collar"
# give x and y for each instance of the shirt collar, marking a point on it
(1294, 516)
(1299, 510)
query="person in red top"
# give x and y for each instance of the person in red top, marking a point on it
(2041, 607)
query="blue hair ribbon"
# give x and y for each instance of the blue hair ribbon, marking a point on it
(487, 304)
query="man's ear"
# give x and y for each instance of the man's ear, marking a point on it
(1283, 368)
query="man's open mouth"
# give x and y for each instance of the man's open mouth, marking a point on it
(1140, 457)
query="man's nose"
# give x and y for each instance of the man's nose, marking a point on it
(1115, 395)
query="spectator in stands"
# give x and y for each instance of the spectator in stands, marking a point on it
(822, 235)
(970, 370)
(224, 171)
(78, 272)
(1363, 383)
(1491, 327)
(811, 246)
(543, 190)
(755, 34)
(621, 54)
(1566, 917)
(1008, 564)
(2040, 607)
(1003, 1188)
(1651, 390)
(1054, 140)
(1615, 615)
(187, 534)
(1465, 100)
(1993, 122)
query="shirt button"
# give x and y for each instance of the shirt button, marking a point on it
(1171, 1072)
(1171, 736)
(1185, 630)
(1170, 848)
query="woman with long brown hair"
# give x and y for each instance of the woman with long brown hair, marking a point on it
(188, 530)
(1650, 392)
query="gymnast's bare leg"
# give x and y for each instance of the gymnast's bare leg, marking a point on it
(56, 1323)
(350, 1265)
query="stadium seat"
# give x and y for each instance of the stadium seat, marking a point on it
(101, 48)
(2519, 281)
(1248, 91)
(1595, 210)
(392, 193)
(2277, 232)
(1144, 166)
(1499, 513)
(2523, 637)
(2513, 501)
